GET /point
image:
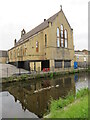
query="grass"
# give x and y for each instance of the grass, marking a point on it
(24, 77)
(79, 109)
(73, 106)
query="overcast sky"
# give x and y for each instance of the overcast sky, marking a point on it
(18, 14)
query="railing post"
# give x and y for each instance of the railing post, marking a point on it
(7, 72)
(19, 71)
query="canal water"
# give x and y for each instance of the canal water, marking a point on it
(31, 99)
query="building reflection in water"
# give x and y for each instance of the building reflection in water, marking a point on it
(35, 95)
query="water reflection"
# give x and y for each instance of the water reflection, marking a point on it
(35, 95)
(12, 109)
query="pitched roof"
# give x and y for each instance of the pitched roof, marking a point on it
(37, 29)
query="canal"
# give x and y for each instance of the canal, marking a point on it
(31, 99)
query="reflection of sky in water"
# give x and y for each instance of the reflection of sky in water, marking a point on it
(0, 106)
(12, 109)
(81, 83)
(34, 95)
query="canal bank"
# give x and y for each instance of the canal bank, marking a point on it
(40, 75)
(35, 95)
(72, 106)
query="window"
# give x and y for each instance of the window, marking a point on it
(62, 27)
(37, 44)
(65, 36)
(57, 32)
(58, 64)
(62, 42)
(18, 52)
(21, 51)
(45, 40)
(25, 50)
(11, 55)
(67, 64)
(14, 54)
(62, 36)
(58, 43)
(58, 38)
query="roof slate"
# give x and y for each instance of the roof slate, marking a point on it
(37, 29)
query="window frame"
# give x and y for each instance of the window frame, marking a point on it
(58, 37)
(62, 36)
(66, 38)
(45, 40)
(37, 46)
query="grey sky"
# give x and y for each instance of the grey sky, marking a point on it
(18, 14)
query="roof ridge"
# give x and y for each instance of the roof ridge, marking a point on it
(42, 26)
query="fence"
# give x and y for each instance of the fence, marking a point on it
(7, 70)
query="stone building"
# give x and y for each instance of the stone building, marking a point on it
(49, 45)
(82, 58)
(3, 56)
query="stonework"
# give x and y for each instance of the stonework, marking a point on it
(3, 56)
(41, 53)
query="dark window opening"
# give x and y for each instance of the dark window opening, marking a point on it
(45, 64)
(58, 64)
(45, 40)
(67, 64)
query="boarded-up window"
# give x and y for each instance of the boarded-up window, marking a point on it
(58, 64)
(67, 63)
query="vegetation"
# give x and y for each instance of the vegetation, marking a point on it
(24, 77)
(72, 106)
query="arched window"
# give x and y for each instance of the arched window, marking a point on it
(66, 38)
(25, 49)
(57, 32)
(62, 36)
(37, 46)
(21, 51)
(58, 38)
(62, 31)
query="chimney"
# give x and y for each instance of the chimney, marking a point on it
(49, 23)
(23, 32)
(44, 20)
(15, 42)
(60, 7)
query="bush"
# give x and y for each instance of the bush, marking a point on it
(51, 75)
(62, 102)
(82, 92)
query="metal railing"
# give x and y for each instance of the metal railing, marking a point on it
(12, 70)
